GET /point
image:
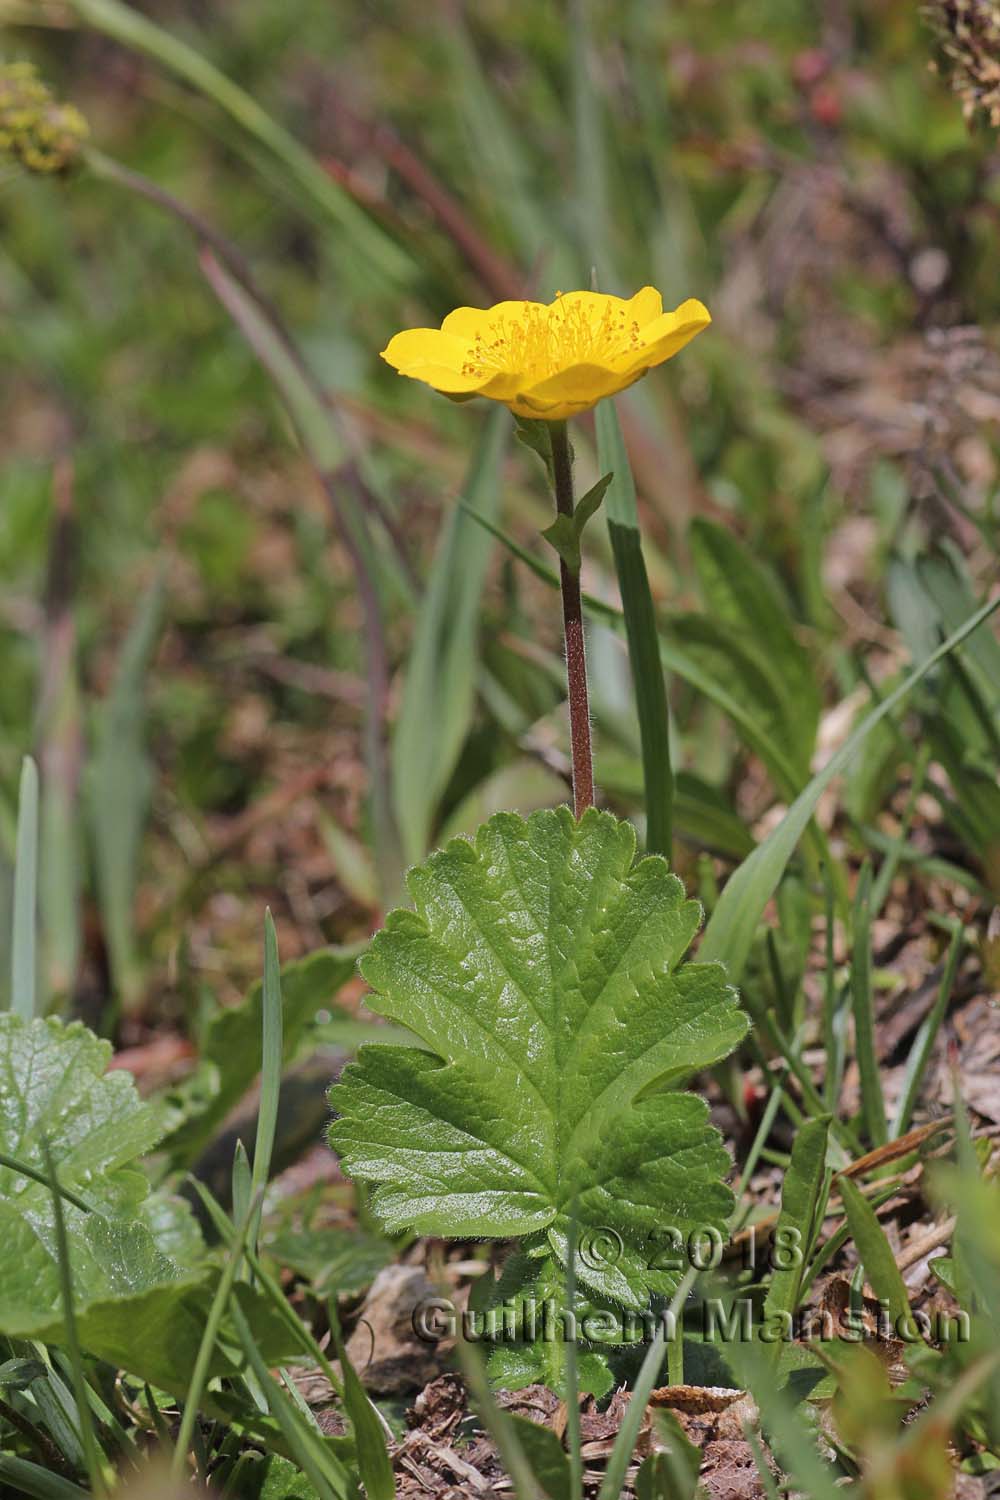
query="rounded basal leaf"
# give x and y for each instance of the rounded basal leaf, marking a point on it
(54, 1088)
(543, 969)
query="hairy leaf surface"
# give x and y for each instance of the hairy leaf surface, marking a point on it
(543, 970)
(53, 1086)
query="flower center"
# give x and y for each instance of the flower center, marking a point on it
(541, 341)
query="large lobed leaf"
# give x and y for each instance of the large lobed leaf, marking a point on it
(543, 969)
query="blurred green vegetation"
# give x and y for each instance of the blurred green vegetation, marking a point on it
(810, 177)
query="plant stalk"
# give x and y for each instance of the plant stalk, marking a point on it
(576, 649)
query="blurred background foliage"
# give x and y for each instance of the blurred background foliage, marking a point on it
(808, 174)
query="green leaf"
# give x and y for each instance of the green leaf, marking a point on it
(546, 1457)
(514, 1366)
(672, 1475)
(640, 628)
(120, 788)
(272, 1060)
(291, 162)
(439, 690)
(872, 1101)
(55, 1088)
(282, 1480)
(876, 1252)
(231, 1048)
(739, 594)
(31, 1479)
(335, 1262)
(566, 532)
(730, 931)
(23, 964)
(537, 436)
(544, 971)
(800, 1203)
(374, 1464)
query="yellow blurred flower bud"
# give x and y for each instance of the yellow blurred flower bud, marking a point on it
(35, 128)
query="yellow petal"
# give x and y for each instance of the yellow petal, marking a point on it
(595, 304)
(434, 357)
(466, 322)
(575, 389)
(666, 335)
(646, 305)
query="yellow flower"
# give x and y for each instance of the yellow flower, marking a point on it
(547, 360)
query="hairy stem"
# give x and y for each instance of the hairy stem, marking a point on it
(576, 651)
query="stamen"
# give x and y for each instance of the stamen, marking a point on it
(545, 340)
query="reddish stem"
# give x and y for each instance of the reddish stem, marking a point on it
(576, 650)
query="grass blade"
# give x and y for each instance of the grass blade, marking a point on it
(920, 1052)
(313, 1456)
(739, 593)
(268, 1284)
(802, 1201)
(574, 1436)
(26, 1478)
(832, 1028)
(199, 1374)
(498, 1422)
(60, 746)
(875, 1251)
(628, 1433)
(327, 450)
(374, 1462)
(120, 786)
(783, 1424)
(85, 1418)
(270, 1079)
(132, 29)
(872, 1101)
(731, 927)
(23, 969)
(440, 678)
(640, 628)
(26, 1170)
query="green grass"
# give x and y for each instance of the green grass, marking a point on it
(274, 622)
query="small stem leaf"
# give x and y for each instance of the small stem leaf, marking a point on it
(566, 532)
(537, 437)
